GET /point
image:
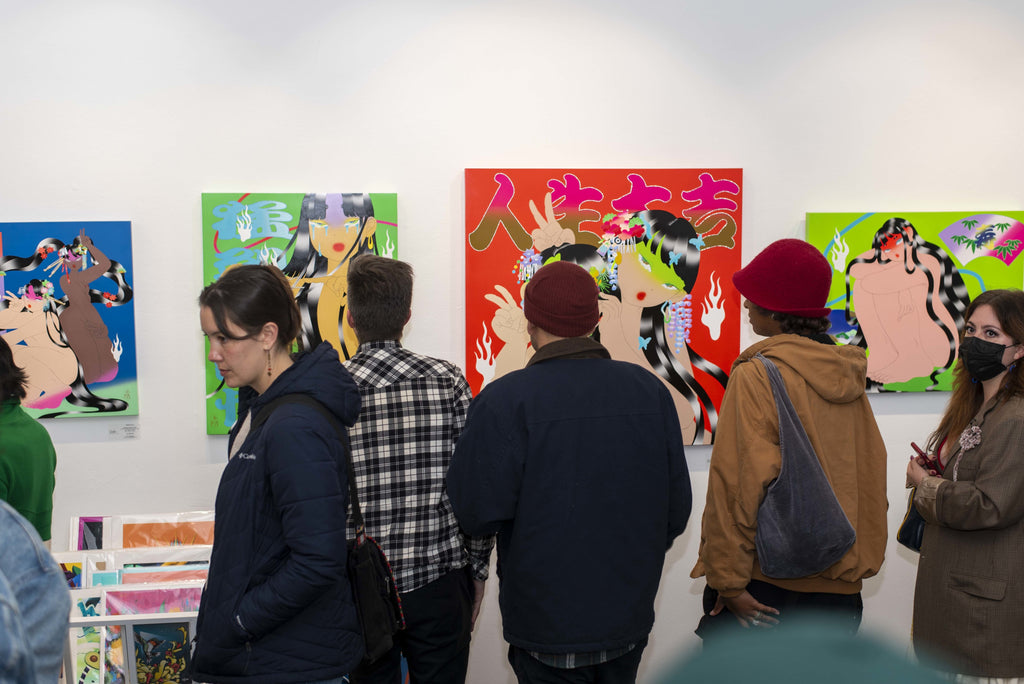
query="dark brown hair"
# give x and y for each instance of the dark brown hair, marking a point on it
(379, 297)
(795, 325)
(12, 378)
(250, 296)
(967, 397)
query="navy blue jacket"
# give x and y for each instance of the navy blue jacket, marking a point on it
(277, 605)
(577, 463)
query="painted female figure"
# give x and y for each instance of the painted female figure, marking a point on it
(909, 301)
(332, 229)
(63, 341)
(38, 345)
(83, 327)
(641, 314)
(646, 268)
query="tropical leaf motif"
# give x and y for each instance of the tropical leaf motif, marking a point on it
(965, 240)
(1006, 250)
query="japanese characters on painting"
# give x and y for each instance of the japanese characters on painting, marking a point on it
(660, 243)
(311, 238)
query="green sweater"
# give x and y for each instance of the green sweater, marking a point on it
(27, 465)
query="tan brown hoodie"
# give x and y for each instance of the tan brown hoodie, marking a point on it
(826, 385)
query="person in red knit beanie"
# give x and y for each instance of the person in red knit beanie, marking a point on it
(790, 276)
(786, 290)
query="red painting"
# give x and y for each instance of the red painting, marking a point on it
(662, 245)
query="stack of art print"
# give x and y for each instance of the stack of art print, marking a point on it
(164, 598)
(86, 654)
(143, 575)
(901, 283)
(97, 645)
(67, 311)
(162, 652)
(73, 565)
(166, 533)
(87, 532)
(660, 243)
(312, 238)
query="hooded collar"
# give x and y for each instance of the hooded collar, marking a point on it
(318, 373)
(838, 373)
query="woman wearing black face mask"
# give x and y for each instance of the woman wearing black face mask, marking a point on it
(969, 598)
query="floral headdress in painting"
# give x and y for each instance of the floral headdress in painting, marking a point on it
(528, 264)
(621, 231)
(43, 291)
(67, 256)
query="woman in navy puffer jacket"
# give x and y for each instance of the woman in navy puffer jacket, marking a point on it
(277, 606)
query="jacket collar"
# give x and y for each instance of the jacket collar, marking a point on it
(570, 348)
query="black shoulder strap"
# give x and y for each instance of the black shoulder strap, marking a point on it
(264, 413)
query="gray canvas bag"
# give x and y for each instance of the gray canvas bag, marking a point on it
(801, 528)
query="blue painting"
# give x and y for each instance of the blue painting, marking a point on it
(68, 314)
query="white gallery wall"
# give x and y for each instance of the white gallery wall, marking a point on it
(131, 110)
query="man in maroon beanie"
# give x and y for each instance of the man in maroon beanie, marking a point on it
(576, 462)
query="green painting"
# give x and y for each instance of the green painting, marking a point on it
(312, 238)
(901, 283)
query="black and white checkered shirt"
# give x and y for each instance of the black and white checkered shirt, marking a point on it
(414, 408)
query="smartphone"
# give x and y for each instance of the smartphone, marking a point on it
(930, 463)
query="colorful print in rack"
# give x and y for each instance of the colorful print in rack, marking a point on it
(901, 282)
(311, 238)
(66, 310)
(662, 245)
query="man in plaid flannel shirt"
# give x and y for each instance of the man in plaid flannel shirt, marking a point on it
(414, 408)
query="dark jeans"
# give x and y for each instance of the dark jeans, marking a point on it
(621, 670)
(435, 641)
(844, 610)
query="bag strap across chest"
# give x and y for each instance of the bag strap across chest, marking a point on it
(306, 400)
(801, 527)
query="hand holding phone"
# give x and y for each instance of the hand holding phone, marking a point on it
(929, 463)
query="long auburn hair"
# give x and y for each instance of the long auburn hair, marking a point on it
(967, 396)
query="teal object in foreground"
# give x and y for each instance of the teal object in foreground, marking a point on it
(802, 651)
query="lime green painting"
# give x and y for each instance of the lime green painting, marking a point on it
(901, 283)
(312, 238)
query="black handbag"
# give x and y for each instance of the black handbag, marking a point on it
(373, 584)
(374, 591)
(911, 530)
(801, 528)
